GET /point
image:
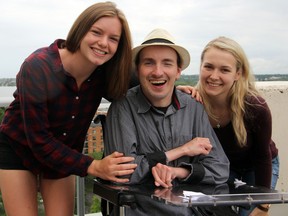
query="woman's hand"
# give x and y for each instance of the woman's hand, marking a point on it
(112, 166)
(190, 90)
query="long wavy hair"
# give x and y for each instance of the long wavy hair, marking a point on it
(118, 68)
(239, 92)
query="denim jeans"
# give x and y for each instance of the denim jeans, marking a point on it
(275, 171)
(248, 176)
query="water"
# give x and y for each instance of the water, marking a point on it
(7, 91)
(6, 97)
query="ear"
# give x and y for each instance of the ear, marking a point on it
(238, 74)
(178, 73)
(135, 71)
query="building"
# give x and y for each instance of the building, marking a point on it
(94, 138)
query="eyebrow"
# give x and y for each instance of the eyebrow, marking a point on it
(93, 27)
(163, 60)
(222, 66)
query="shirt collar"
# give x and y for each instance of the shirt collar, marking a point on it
(145, 105)
(53, 49)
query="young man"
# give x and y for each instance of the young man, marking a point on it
(166, 131)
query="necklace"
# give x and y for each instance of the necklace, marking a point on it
(216, 122)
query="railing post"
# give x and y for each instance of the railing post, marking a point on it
(80, 193)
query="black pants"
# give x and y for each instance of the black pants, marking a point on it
(8, 158)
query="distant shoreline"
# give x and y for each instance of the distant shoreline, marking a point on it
(184, 79)
(7, 91)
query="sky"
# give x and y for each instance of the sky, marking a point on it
(259, 26)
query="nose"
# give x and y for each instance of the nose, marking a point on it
(214, 74)
(103, 41)
(158, 70)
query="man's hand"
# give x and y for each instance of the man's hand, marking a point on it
(112, 166)
(197, 146)
(164, 175)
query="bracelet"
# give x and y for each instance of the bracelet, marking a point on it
(262, 208)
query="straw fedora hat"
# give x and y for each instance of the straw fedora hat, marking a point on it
(160, 37)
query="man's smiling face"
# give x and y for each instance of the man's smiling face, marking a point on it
(157, 72)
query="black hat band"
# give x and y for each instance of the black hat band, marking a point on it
(157, 40)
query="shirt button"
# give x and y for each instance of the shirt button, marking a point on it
(64, 134)
(77, 97)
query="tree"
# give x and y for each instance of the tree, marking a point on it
(92, 202)
(2, 110)
(2, 211)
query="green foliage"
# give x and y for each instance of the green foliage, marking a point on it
(271, 77)
(193, 79)
(2, 110)
(7, 82)
(2, 211)
(97, 155)
(96, 204)
(92, 202)
(187, 80)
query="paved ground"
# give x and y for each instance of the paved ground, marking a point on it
(279, 210)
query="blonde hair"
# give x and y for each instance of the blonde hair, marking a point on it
(118, 68)
(239, 92)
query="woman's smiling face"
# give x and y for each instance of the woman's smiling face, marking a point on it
(101, 42)
(218, 72)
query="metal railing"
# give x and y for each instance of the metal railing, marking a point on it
(80, 195)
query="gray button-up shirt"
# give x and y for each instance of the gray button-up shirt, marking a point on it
(137, 129)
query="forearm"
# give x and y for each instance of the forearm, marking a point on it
(175, 153)
(194, 147)
(181, 173)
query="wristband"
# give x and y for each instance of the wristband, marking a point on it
(262, 208)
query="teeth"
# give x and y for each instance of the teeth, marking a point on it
(99, 51)
(158, 82)
(214, 84)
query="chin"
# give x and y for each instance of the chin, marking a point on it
(210, 92)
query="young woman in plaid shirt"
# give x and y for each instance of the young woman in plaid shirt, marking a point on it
(59, 89)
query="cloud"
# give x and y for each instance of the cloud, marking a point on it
(259, 26)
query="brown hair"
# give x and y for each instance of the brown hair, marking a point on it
(118, 68)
